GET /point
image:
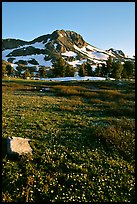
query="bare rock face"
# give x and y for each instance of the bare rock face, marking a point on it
(18, 145)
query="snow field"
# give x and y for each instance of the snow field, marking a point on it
(76, 78)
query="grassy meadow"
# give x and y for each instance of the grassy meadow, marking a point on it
(83, 140)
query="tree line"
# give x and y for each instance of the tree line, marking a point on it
(113, 68)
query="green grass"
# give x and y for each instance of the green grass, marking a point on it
(83, 140)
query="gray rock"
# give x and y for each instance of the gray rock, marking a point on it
(18, 145)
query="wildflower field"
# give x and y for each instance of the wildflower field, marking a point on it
(83, 140)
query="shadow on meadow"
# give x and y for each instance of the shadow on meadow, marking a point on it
(4, 147)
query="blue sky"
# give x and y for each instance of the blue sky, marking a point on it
(102, 24)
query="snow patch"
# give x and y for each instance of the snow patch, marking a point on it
(38, 45)
(76, 78)
(94, 53)
(14, 66)
(100, 55)
(5, 53)
(91, 48)
(94, 67)
(77, 62)
(69, 54)
(55, 45)
(39, 58)
(22, 72)
(48, 40)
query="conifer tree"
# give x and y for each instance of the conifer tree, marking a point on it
(117, 68)
(19, 69)
(42, 71)
(59, 68)
(69, 71)
(88, 69)
(109, 66)
(26, 73)
(9, 70)
(82, 71)
(98, 71)
(103, 70)
(128, 69)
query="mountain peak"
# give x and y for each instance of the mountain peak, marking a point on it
(44, 50)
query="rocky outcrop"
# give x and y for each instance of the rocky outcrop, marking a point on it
(117, 52)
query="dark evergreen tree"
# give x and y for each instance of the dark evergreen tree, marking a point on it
(109, 66)
(26, 73)
(9, 70)
(42, 72)
(124, 73)
(103, 70)
(69, 71)
(117, 68)
(82, 71)
(32, 74)
(98, 71)
(19, 69)
(128, 69)
(59, 67)
(88, 69)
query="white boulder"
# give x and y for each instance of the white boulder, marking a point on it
(18, 145)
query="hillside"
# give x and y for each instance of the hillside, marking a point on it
(46, 49)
